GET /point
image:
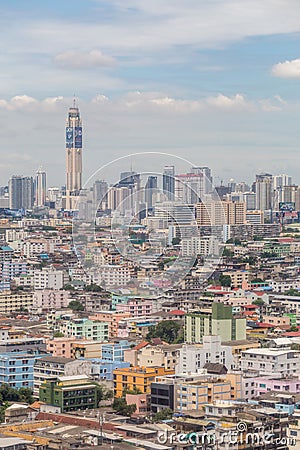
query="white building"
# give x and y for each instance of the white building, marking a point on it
(271, 361)
(49, 278)
(192, 358)
(54, 366)
(204, 246)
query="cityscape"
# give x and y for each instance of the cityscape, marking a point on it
(150, 278)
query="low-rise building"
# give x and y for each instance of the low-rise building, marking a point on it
(53, 366)
(71, 393)
(137, 378)
(271, 361)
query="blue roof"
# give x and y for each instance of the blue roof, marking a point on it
(5, 248)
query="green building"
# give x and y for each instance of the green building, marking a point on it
(70, 393)
(85, 328)
(217, 320)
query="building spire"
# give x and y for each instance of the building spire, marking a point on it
(74, 101)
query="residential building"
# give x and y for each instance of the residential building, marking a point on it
(50, 299)
(217, 320)
(16, 369)
(137, 378)
(271, 361)
(53, 366)
(153, 356)
(15, 301)
(71, 393)
(193, 357)
(85, 328)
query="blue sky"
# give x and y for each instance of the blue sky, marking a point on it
(217, 82)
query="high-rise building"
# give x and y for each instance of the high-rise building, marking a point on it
(40, 188)
(282, 180)
(169, 182)
(100, 189)
(207, 177)
(264, 191)
(150, 189)
(73, 151)
(21, 193)
(189, 187)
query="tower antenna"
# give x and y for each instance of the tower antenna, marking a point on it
(74, 101)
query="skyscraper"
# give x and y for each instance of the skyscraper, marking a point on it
(20, 192)
(264, 191)
(150, 189)
(169, 182)
(40, 188)
(73, 151)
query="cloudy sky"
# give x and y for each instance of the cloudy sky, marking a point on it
(216, 81)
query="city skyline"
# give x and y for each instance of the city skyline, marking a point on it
(197, 80)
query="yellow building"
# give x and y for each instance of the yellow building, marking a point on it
(15, 301)
(137, 378)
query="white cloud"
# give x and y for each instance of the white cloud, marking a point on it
(26, 103)
(72, 59)
(236, 102)
(287, 69)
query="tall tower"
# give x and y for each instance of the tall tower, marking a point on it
(40, 188)
(169, 181)
(73, 151)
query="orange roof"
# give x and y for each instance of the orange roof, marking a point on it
(141, 345)
(36, 405)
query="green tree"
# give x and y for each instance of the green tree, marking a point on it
(258, 302)
(167, 331)
(120, 405)
(225, 280)
(164, 414)
(58, 334)
(176, 241)
(69, 287)
(76, 305)
(93, 288)
(292, 292)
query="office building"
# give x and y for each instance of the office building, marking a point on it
(40, 188)
(264, 192)
(21, 193)
(150, 190)
(169, 182)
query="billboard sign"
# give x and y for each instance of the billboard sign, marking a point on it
(287, 206)
(69, 137)
(78, 137)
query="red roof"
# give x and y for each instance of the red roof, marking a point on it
(177, 312)
(292, 334)
(250, 306)
(265, 325)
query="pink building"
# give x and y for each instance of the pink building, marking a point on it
(136, 307)
(287, 385)
(112, 318)
(142, 402)
(50, 299)
(60, 346)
